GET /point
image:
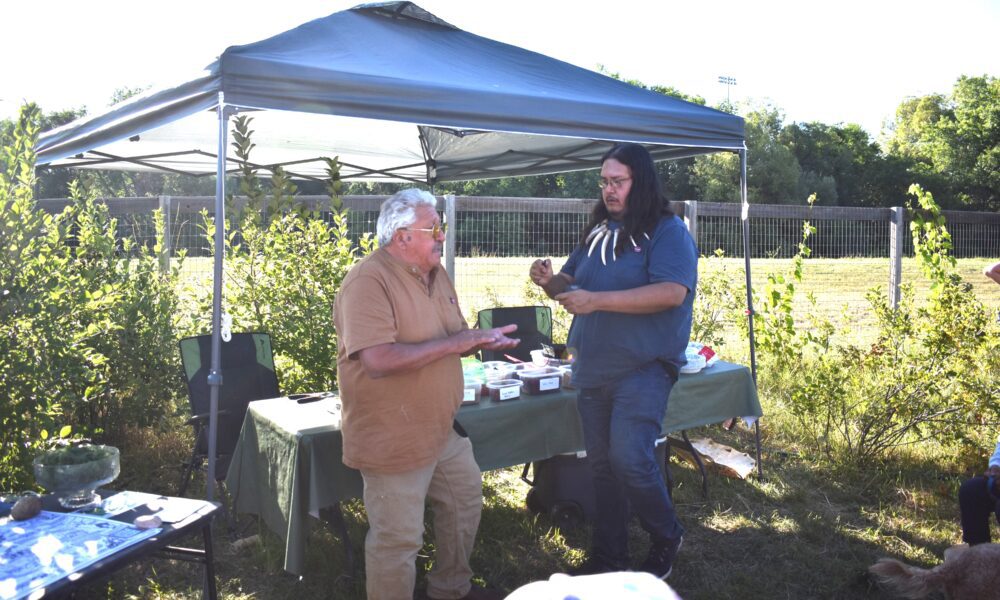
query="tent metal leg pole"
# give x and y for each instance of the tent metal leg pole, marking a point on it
(215, 373)
(745, 218)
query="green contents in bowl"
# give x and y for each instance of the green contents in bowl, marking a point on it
(74, 472)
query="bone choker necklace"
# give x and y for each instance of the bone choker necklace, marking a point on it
(600, 234)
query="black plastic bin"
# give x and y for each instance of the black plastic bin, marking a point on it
(563, 487)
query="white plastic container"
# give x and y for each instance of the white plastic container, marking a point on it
(473, 388)
(538, 358)
(504, 389)
(566, 373)
(545, 380)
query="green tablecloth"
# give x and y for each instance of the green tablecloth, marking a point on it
(287, 463)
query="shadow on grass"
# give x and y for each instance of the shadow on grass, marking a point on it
(805, 531)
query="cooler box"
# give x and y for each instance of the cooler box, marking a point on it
(563, 487)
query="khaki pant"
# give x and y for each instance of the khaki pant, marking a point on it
(395, 506)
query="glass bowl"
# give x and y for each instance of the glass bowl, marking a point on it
(73, 472)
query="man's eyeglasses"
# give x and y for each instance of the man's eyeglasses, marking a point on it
(615, 183)
(435, 231)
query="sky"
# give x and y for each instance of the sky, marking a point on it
(852, 61)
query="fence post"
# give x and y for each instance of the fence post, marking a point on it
(895, 255)
(450, 245)
(165, 250)
(691, 218)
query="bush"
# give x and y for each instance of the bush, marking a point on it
(130, 324)
(931, 373)
(717, 303)
(85, 321)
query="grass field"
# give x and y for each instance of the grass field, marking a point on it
(808, 530)
(838, 285)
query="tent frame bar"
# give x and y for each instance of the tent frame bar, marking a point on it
(106, 158)
(745, 222)
(215, 372)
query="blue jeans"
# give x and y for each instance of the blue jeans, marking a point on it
(621, 423)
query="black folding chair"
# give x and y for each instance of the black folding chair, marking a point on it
(247, 374)
(534, 328)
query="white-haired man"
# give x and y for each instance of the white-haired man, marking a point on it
(401, 335)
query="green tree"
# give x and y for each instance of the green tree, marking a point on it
(772, 169)
(49, 183)
(954, 142)
(930, 373)
(716, 177)
(832, 154)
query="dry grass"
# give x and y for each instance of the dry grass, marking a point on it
(808, 530)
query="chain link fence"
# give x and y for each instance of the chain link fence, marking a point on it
(495, 239)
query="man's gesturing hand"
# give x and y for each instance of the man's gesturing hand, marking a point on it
(541, 272)
(470, 340)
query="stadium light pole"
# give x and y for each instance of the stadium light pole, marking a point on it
(729, 82)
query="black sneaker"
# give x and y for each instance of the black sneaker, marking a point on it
(595, 565)
(662, 554)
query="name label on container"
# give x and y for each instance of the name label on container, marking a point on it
(507, 393)
(549, 383)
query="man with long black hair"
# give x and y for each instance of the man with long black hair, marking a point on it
(630, 285)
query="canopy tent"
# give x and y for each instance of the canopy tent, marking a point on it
(472, 99)
(398, 94)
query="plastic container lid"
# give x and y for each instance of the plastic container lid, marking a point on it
(497, 364)
(498, 369)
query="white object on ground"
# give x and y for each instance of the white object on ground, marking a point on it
(622, 585)
(721, 458)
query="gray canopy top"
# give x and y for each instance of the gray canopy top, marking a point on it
(397, 94)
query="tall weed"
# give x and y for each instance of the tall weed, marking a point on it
(931, 373)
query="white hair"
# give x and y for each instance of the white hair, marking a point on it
(400, 210)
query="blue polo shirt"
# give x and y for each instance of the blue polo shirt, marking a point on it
(609, 345)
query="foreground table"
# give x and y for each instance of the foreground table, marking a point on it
(287, 463)
(55, 553)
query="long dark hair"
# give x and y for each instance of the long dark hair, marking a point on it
(646, 201)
